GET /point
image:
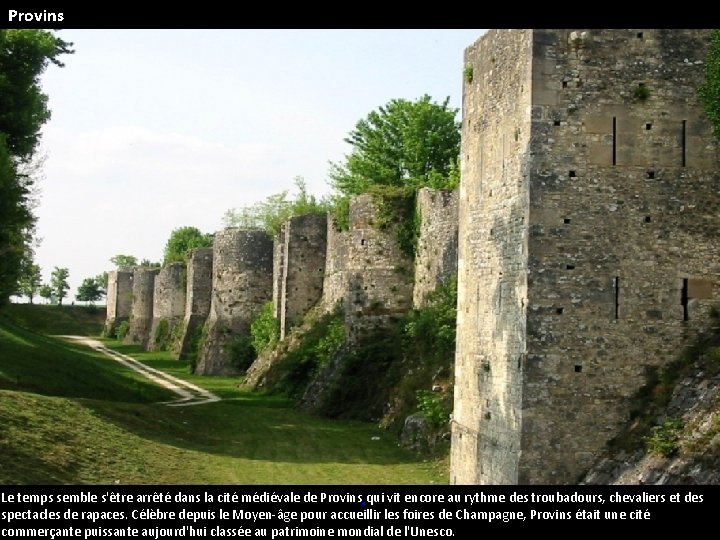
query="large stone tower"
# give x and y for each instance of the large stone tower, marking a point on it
(588, 253)
(242, 284)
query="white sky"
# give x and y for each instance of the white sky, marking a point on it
(152, 130)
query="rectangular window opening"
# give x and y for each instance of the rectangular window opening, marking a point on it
(683, 143)
(566, 220)
(556, 123)
(571, 174)
(559, 311)
(648, 219)
(648, 126)
(617, 297)
(639, 35)
(570, 267)
(564, 84)
(578, 369)
(651, 175)
(614, 141)
(684, 299)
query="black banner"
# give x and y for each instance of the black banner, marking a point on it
(154, 512)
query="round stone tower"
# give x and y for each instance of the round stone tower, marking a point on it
(141, 313)
(242, 283)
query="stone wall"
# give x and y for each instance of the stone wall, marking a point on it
(242, 284)
(335, 281)
(303, 267)
(197, 298)
(141, 314)
(379, 274)
(588, 218)
(119, 299)
(436, 254)
(168, 304)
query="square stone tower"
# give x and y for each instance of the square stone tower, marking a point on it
(588, 252)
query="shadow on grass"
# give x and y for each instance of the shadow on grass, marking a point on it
(250, 425)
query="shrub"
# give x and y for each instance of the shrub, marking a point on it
(664, 439)
(122, 330)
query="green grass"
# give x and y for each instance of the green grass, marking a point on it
(69, 415)
(58, 320)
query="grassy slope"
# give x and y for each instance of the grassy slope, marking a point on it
(69, 415)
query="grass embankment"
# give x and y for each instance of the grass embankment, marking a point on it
(71, 415)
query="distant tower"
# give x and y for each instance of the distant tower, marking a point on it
(141, 313)
(168, 304)
(588, 252)
(242, 284)
(119, 299)
(197, 299)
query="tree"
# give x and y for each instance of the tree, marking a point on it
(102, 280)
(30, 280)
(710, 90)
(402, 144)
(182, 241)
(24, 56)
(90, 290)
(149, 264)
(59, 284)
(121, 261)
(46, 292)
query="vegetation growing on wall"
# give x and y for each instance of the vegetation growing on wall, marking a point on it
(650, 426)
(270, 214)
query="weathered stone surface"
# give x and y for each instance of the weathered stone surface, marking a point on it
(119, 298)
(436, 254)
(242, 284)
(197, 297)
(585, 213)
(141, 313)
(302, 267)
(168, 304)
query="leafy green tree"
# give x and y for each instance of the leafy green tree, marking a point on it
(102, 280)
(90, 290)
(46, 292)
(149, 264)
(401, 144)
(710, 91)
(59, 283)
(24, 56)
(121, 261)
(30, 280)
(182, 241)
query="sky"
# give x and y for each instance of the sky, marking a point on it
(152, 130)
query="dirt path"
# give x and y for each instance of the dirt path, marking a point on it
(188, 393)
